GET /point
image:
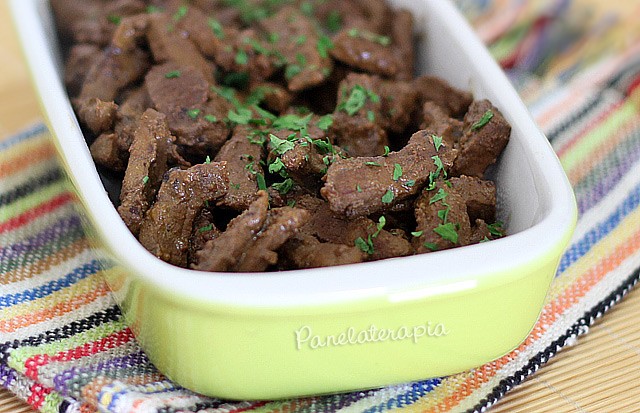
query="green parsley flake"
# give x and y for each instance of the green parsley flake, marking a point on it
(292, 71)
(410, 183)
(358, 188)
(447, 232)
(417, 233)
(397, 171)
(371, 163)
(325, 122)
(291, 203)
(115, 19)
(495, 229)
(443, 214)
(216, 27)
(242, 116)
(293, 122)
(365, 246)
(207, 160)
(145, 180)
(324, 146)
(193, 113)
(273, 37)
(386, 151)
(241, 57)
(488, 115)
(283, 187)
(387, 198)
(431, 246)
(277, 166)
(173, 74)
(371, 116)
(441, 195)
(437, 142)
(307, 8)
(485, 239)
(280, 146)
(300, 40)
(324, 45)
(334, 21)
(206, 228)
(180, 13)
(154, 9)
(356, 101)
(262, 184)
(210, 118)
(372, 37)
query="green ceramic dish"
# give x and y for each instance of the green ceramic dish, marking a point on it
(263, 336)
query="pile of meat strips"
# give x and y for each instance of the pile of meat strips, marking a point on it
(260, 135)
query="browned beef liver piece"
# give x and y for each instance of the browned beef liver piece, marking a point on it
(245, 52)
(400, 101)
(327, 226)
(336, 14)
(182, 93)
(437, 120)
(97, 115)
(305, 251)
(204, 230)
(131, 32)
(402, 35)
(365, 185)
(251, 240)
(195, 25)
(367, 51)
(106, 153)
(112, 72)
(168, 44)
(275, 97)
(68, 13)
(432, 88)
(168, 225)
(243, 163)
(308, 64)
(483, 141)
(470, 203)
(148, 161)
(81, 58)
(133, 105)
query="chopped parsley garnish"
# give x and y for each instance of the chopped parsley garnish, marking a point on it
(280, 146)
(206, 228)
(495, 229)
(291, 203)
(388, 197)
(301, 59)
(262, 184)
(324, 45)
(145, 180)
(325, 122)
(210, 118)
(300, 40)
(437, 142)
(447, 232)
(358, 188)
(417, 233)
(180, 13)
(273, 37)
(410, 183)
(367, 246)
(216, 27)
(283, 187)
(193, 113)
(397, 171)
(293, 122)
(357, 99)
(431, 246)
(292, 71)
(207, 160)
(443, 214)
(386, 151)
(241, 57)
(241, 116)
(324, 146)
(485, 239)
(441, 195)
(488, 115)
(154, 9)
(115, 19)
(371, 116)
(277, 166)
(173, 74)
(334, 21)
(307, 8)
(239, 80)
(372, 37)
(371, 163)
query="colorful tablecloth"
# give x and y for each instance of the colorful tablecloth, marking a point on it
(64, 346)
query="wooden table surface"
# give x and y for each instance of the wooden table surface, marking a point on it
(599, 374)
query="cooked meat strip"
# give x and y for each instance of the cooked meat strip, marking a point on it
(167, 226)
(199, 28)
(486, 135)
(366, 51)
(366, 185)
(80, 59)
(182, 93)
(97, 115)
(301, 47)
(129, 112)
(325, 225)
(243, 164)
(305, 251)
(252, 239)
(106, 153)
(402, 35)
(168, 44)
(273, 96)
(148, 161)
(445, 214)
(432, 88)
(204, 230)
(112, 72)
(399, 103)
(131, 32)
(437, 120)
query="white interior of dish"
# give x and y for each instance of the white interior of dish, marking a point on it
(535, 199)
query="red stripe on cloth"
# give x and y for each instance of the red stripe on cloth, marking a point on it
(38, 395)
(88, 349)
(30, 215)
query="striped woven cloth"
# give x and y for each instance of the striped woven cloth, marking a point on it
(64, 346)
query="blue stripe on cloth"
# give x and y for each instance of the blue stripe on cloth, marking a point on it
(28, 134)
(56, 285)
(418, 390)
(581, 247)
